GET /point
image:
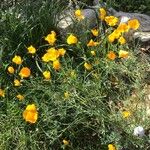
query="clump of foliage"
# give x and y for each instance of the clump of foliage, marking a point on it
(130, 5)
(67, 92)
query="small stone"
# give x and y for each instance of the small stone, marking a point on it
(139, 131)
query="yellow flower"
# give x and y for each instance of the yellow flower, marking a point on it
(95, 32)
(134, 24)
(66, 95)
(72, 39)
(123, 27)
(126, 114)
(20, 97)
(56, 65)
(25, 72)
(111, 20)
(11, 69)
(2, 93)
(47, 75)
(17, 60)
(51, 55)
(17, 82)
(61, 51)
(111, 147)
(123, 54)
(122, 40)
(93, 53)
(31, 49)
(30, 114)
(79, 15)
(87, 66)
(111, 38)
(65, 142)
(92, 43)
(102, 13)
(111, 55)
(116, 33)
(51, 38)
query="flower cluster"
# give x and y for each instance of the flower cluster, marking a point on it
(118, 33)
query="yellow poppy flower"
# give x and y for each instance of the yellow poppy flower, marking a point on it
(111, 147)
(93, 53)
(123, 27)
(31, 49)
(92, 43)
(95, 32)
(116, 34)
(87, 66)
(47, 75)
(111, 55)
(134, 24)
(111, 20)
(25, 72)
(11, 69)
(51, 55)
(17, 82)
(122, 40)
(79, 15)
(102, 13)
(61, 51)
(2, 93)
(72, 39)
(126, 114)
(56, 65)
(111, 38)
(17, 60)
(30, 114)
(65, 142)
(51, 38)
(20, 97)
(123, 54)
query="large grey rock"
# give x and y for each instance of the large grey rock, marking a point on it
(67, 18)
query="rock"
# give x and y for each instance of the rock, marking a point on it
(142, 36)
(67, 19)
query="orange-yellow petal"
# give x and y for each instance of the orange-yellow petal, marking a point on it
(79, 14)
(87, 66)
(72, 39)
(111, 55)
(25, 72)
(123, 54)
(17, 60)
(11, 69)
(134, 24)
(56, 65)
(31, 49)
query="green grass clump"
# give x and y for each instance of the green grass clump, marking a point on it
(84, 100)
(130, 5)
